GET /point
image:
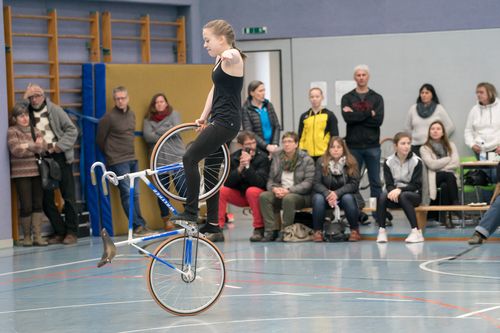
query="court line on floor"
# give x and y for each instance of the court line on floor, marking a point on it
(384, 299)
(424, 267)
(478, 311)
(288, 319)
(75, 306)
(48, 267)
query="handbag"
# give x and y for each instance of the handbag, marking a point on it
(477, 177)
(50, 172)
(334, 229)
(297, 232)
(49, 169)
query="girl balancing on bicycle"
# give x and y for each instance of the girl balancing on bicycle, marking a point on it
(223, 105)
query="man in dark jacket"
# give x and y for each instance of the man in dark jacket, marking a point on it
(246, 181)
(115, 138)
(363, 112)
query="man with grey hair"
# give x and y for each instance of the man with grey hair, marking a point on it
(60, 134)
(115, 138)
(363, 112)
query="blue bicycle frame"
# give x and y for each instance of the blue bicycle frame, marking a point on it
(188, 229)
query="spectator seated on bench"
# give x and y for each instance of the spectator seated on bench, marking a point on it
(440, 157)
(288, 187)
(336, 182)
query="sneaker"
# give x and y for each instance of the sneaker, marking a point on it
(318, 236)
(184, 216)
(476, 239)
(258, 234)
(70, 239)
(415, 236)
(354, 236)
(142, 231)
(382, 235)
(270, 236)
(215, 236)
(55, 239)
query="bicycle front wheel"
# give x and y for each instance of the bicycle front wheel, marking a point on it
(181, 295)
(170, 149)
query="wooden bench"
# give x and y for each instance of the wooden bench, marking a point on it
(421, 211)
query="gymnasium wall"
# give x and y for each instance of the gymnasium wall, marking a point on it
(186, 87)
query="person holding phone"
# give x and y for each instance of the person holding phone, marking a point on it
(246, 181)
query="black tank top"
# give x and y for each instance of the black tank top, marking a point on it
(226, 103)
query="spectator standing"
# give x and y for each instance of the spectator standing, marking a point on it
(259, 117)
(60, 134)
(115, 138)
(24, 172)
(420, 116)
(161, 118)
(316, 126)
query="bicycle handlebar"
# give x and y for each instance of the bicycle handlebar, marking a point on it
(109, 175)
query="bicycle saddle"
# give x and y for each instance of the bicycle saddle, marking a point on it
(109, 249)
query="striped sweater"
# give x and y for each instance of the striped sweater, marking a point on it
(22, 159)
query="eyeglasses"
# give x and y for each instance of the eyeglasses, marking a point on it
(288, 141)
(35, 96)
(120, 98)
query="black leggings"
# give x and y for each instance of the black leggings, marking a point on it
(209, 141)
(30, 194)
(407, 200)
(449, 189)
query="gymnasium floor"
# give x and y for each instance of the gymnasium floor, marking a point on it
(270, 287)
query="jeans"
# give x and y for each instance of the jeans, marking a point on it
(347, 203)
(491, 219)
(124, 187)
(179, 180)
(67, 187)
(370, 156)
(407, 200)
(208, 141)
(234, 197)
(270, 207)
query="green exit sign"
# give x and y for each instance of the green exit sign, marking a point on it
(254, 30)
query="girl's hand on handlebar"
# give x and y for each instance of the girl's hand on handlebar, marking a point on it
(201, 123)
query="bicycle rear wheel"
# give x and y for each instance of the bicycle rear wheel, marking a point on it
(170, 149)
(176, 293)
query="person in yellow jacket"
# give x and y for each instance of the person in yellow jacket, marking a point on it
(316, 126)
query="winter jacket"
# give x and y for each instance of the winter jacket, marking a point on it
(23, 160)
(340, 184)
(256, 174)
(315, 131)
(303, 175)
(406, 176)
(363, 130)
(483, 124)
(251, 122)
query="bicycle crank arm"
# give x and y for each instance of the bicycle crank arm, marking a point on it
(109, 249)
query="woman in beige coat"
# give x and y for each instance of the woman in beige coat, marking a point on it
(441, 159)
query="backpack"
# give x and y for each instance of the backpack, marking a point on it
(334, 229)
(477, 178)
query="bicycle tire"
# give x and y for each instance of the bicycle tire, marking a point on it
(169, 288)
(170, 148)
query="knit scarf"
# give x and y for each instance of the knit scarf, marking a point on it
(159, 116)
(337, 168)
(439, 149)
(426, 111)
(289, 164)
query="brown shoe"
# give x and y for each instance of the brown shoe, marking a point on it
(354, 236)
(70, 239)
(55, 239)
(169, 226)
(318, 236)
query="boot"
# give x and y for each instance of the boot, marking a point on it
(26, 224)
(37, 230)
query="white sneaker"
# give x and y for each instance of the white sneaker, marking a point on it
(415, 236)
(382, 235)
